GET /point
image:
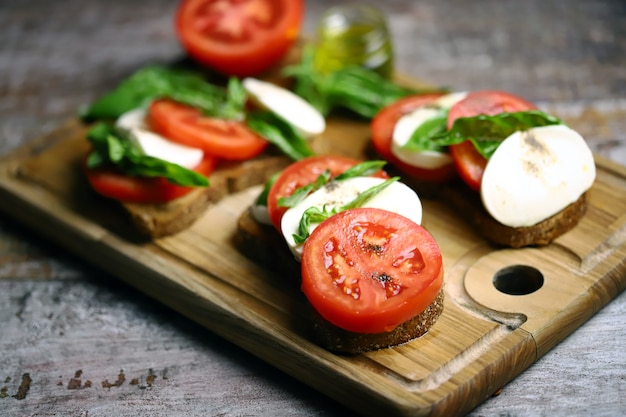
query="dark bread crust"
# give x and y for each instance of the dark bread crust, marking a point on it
(264, 245)
(343, 341)
(468, 204)
(159, 220)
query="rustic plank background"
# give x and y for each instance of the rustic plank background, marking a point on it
(74, 341)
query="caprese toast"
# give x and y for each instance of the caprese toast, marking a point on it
(519, 175)
(168, 143)
(351, 237)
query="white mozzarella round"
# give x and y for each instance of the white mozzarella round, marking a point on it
(536, 173)
(155, 145)
(260, 213)
(410, 122)
(286, 104)
(397, 197)
(132, 119)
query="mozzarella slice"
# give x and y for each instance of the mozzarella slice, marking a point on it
(286, 104)
(260, 213)
(155, 145)
(410, 122)
(534, 174)
(135, 118)
(397, 197)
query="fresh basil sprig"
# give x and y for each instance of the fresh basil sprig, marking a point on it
(354, 88)
(314, 215)
(300, 193)
(112, 146)
(487, 132)
(182, 85)
(280, 133)
(362, 169)
(422, 139)
(365, 168)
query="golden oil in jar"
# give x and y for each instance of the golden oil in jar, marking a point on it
(353, 35)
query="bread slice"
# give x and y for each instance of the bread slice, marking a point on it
(468, 204)
(264, 245)
(343, 341)
(159, 220)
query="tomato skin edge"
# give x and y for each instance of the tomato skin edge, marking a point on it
(227, 139)
(367, 319)
(382, 126)
(110, 183)
(262, 54)
(291, 178)
(470, 164)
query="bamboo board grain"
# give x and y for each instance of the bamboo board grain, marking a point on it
(483, 339)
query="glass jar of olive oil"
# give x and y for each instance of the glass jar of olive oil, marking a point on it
(353, 35)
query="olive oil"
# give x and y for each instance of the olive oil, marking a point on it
(354, 35)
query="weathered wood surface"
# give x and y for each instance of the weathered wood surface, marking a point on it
(86, 344)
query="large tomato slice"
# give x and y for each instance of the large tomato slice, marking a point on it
(238, 37)
(301, 173)
(368, 270)
(382, 127)
(469, 162)
(227, 139)
(111, 183)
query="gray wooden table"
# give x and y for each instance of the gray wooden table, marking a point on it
(74, 341)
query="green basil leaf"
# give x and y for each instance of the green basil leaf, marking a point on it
(315, 215)
(236, 98)
(280, 133)
(148, 166)
(309, 84)
(152, 82)
(486, 132)
(367, 195)
(365, 168)
(422, 137)
(311, 215)
(362, 169)
(354, 88)
(300, 193)
(111, 146)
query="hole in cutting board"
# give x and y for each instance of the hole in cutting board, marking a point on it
(518, 280)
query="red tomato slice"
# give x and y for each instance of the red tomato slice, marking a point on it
(368, 270)
(111, 183)
(227, 139)
(382, 127)
(238, 37)
(468, 161)
(301, 173)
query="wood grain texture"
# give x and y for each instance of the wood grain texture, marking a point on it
(483, 339)
(91, 345)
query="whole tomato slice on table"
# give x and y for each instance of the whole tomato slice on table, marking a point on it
(468, 161)
(302, 173)
(111, 183)
(226, 139)
(369, 270)
(382, 127)
(238, 37)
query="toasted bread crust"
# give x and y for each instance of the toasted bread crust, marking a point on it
(264, 245)
(159, 220)
(467, 203)
(343, 341)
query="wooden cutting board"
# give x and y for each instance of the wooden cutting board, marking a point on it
(484, 338)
